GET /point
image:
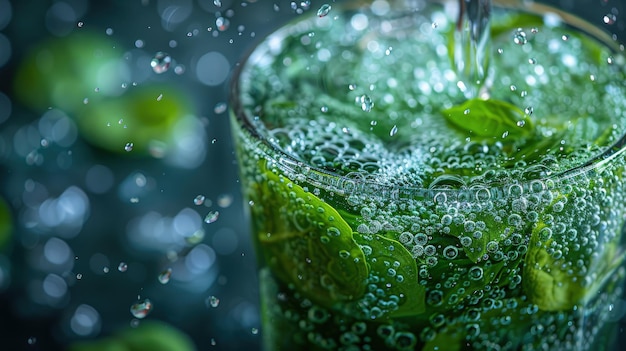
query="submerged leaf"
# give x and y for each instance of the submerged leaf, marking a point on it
(489, 119)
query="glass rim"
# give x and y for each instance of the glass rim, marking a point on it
(361, 184)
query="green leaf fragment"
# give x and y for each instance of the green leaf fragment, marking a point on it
(308, 244)
(394, 271)
(489, 119)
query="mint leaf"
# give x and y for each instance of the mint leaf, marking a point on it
(394, 271)
(489, 119)
(306, 242)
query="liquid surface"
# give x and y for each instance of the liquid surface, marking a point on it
(380, 97)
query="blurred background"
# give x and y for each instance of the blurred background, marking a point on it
(121, 220)
(119, 199)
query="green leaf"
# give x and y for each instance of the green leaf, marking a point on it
(307, 243)
(489, 119)
(394, 271)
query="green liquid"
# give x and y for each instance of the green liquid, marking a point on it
(456, 225)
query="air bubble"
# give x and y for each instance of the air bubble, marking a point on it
(129, 147)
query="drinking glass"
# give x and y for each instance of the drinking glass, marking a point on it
(437, 175)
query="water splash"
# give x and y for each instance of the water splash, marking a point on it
(471, 45)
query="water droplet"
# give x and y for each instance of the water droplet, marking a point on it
(529, 110)
(609, 18)
(161, 62)
(79, 276)
(393, 130)
(324, 109)
(434, 25)
(211, 217)
(254, 331)
(519, 37)
(199, 200)
(220, 108)
(532, 61)
(366, 103)
(141, 309)
(352, 86)
(217, 3)
(81, 24)
(109, 31)
(164, 277)
(222, 23)
(105, 270)
(160, 97)
(521, 123)
(565, 37)
(129, 147)
(324, 10)
(213, 301)
(123, 267)
(31, 340)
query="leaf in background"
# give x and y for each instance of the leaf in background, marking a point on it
(489, 119)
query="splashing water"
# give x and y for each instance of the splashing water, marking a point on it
(471, 45)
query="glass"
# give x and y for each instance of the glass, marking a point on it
(398, 205)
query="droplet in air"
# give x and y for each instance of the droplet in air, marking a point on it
(141, 309)
(366, 103)
(519, 37)
(222, 23)
(213, 301)
(164, 277)
(199, 200)
(393, 130)
(211, 217)
(220, 108)
(529, 110)
(129, 147)
(609, 18)
(161, 62)
(123, 267)
(323, 10)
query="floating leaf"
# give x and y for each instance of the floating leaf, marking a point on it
(489, 119)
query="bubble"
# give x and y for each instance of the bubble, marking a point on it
(217, 3)
(324, 10)
(450, 252)
(211, 217)
(161, 62)
(122, 267)
(129, 147)
(141, 309)
(31, 340)
(164, 276)
(475, 273)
